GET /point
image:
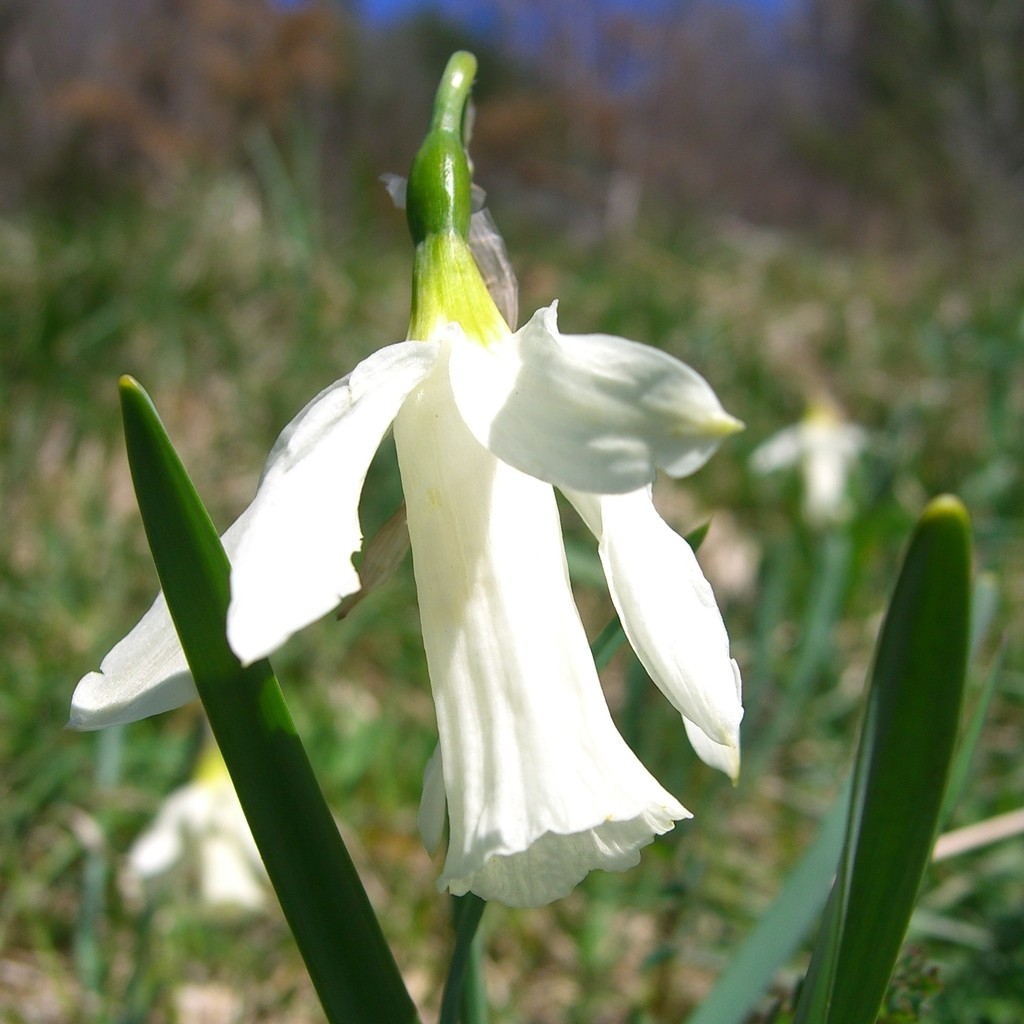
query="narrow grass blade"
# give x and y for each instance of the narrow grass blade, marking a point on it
(817, 647)
(900, 772)
(969, 740)
(773, 588)
(781, 929)
(608, 643)
(90, 961)
(985, 602)
(326, 906)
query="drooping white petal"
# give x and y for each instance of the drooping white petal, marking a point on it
(592, 412)
(231, 869)
(145, 673)
(433, 812)
(669, 615)
(294, 559)
(723, 756)
(540, 786)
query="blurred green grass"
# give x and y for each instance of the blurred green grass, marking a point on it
(233, 301)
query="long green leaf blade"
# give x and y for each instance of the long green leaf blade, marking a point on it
(900, 772)
(780, 930)
(323, 900)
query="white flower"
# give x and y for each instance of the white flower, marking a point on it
(203, 822)
(825, 448)
(538, 785)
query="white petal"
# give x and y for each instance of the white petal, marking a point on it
(669, 614)
(336, 434)
(540, 786)
(825, 473)
(591, 412)
(146, 672)
(433, 812)
(555, 863)
(723, 756)
(294, 558)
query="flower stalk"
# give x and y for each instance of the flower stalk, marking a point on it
(446, 283)
(438, 198)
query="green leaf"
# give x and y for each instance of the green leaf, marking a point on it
(984, 605)
(323, 900)
(969, 740)
(780, 930)
(900, 771)
(608, 643)
(817, 650)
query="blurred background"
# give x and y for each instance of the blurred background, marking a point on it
(816, 203)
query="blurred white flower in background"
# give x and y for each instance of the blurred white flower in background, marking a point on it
(200, 827)
(825, 448)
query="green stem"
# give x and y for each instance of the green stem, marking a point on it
(438, 197)
(452, 93)
(466, 911)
